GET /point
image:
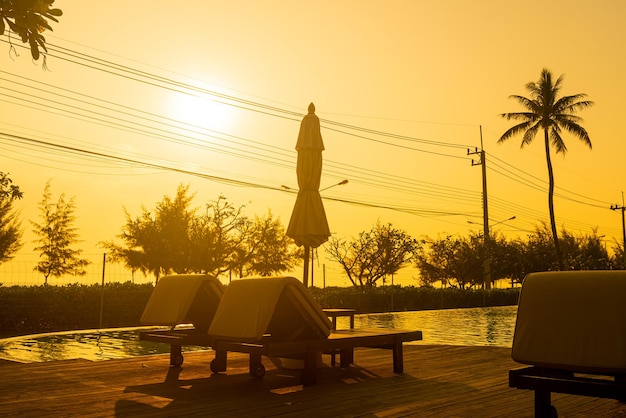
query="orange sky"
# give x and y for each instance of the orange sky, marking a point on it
(427, 74)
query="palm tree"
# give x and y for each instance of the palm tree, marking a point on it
(552, 114)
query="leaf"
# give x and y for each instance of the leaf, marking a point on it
(34, 49)
(1, 26)
(55, 12)
(13, 27)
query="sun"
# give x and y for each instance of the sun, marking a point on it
(201, 112)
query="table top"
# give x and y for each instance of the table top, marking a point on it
(339, 311)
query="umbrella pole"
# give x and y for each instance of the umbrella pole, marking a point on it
(305, 274)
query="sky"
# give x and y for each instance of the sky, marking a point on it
(403, 89)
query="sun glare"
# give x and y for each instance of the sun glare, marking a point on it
(201, 112)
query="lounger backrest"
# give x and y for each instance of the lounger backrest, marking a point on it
(573, 320)
(184, 298)
(280, 307)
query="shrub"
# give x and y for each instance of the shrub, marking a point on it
(37, 309)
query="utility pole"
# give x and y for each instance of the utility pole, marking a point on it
(482, 162)
(622, 208)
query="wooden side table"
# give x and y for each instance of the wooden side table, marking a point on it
(333, 314)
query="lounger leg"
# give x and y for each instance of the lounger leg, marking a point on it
(309, 372)
(398, 357)
(346, 357)
(257, 370)
(218, 364)
(176, 355)
(543, 405)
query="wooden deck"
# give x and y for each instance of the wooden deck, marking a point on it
(439, 381)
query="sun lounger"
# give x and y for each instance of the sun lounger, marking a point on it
(571, 331)
(185, 304)
(278, 318)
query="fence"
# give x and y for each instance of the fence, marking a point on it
(21, 271)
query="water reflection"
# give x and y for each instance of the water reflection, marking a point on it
(492, 326)
(91, 345)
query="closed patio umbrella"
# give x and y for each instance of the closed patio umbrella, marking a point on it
(308, 225)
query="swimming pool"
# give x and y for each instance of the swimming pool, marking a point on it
(492, 326)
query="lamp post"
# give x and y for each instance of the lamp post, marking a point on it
(487, 261)
(341, 183)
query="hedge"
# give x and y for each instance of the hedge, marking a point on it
(37, 309)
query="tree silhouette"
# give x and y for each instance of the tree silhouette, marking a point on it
(547, 112)
(177, 238)
(157, 241)
(10, 226)
(271, 250)
(56, 235)
(10, 230)
(28, 19)
(455, 261)
(374, 255)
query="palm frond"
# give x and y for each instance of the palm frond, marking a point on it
(513, 131)
(556, 140)
(568, 117)
(570, 104)
(528, 116)
(530, 134)
(531, 105)
(578, 131)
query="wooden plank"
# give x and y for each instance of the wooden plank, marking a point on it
(437, 381)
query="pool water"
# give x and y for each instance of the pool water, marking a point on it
(492, 326)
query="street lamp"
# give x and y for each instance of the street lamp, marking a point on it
(497, 223)
(506, 220)
(341, 183)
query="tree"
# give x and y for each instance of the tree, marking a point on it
(547, 112)
(10, 226)
(224, 239)
(7, 189)
(617, 260)
(175, 238)
(374, 255)
(10, 231)
(274, 251)
(536, 253)
(585, 251)
(157, 243)
(28, 19)
(56, 235)
(457, 261)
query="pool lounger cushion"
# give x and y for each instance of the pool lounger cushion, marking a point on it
(568, 324)
(277, 317)
(573, 320)
(184, 298)
(279, 306)
(186, 304)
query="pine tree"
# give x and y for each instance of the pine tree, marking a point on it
(10, 226)
(56, 235)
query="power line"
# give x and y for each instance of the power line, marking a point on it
(367, 177)
(154, 80)
(240, 183)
